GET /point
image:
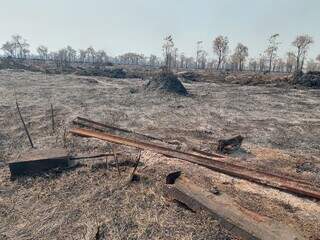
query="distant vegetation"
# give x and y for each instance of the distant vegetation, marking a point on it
(224, 58)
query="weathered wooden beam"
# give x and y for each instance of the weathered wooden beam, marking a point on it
(93, 124)
(217, 164)
(238, 220)
(37, 161)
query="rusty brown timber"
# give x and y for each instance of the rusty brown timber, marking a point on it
(217, 164)
(94, 125)
(111, 127)
(241, 221)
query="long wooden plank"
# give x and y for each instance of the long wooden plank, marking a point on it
(94, 125)
(39, 160)
(216, 164)
(242, 222)
(113, 128)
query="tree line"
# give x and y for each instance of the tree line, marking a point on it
(238, 59)
(225, 59)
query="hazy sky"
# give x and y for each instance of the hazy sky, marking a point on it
(119, 26)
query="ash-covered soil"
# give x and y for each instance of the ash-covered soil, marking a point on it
(281, 127)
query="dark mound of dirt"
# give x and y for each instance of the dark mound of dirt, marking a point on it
(10, 63)
(103, 72)
(309, 79)
(166, 83)
(191, 76)
(254, 79)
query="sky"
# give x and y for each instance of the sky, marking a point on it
(119, 26)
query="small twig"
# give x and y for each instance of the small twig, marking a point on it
(91, 157)
(64, 138)
(116, 158)
(136, 165)
(52, 117)
(107, 166)
(24, 125)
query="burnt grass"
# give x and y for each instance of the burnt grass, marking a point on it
(281, 130)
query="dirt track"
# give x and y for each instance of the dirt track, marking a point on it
(279, 124)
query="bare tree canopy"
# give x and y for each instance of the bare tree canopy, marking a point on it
(269, 60)
(168, 47)
(239, 56)
(311, 65)
(153, 60)
(91, 54)
(43, 52)
(71, 54)
(131, 58)
(202, 59)
(302, 43)
(220, 47)
(17, 47)
(9, 48)
(271, 51)
(291, 59)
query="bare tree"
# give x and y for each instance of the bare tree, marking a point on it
(262, 62)
(91, 54)
(291, 59)
(131, 58)
(278, 65)
(271, 51)
(302, 43)
(174, 57)
(21, 46)
(17, 47)
(190, 62)
(318, 58)
(312, 65)
(220, 47)
(82, 55)
(43, 52)
(182, 60)
(71, 54)
(101, 56)
(9, 49)
(199, 50)
(167, 47)
(153, 60)
(253, 64)
(202, 59)
(239, 56)
(62, 57)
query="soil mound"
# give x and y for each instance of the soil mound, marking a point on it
(103, 72)
(309, 79)
(191, 76)
(166, 83)
(254, 79)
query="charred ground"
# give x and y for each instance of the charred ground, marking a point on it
(281, 127)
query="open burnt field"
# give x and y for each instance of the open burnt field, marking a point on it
(280, 125)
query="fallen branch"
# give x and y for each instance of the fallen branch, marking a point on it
(136, 166)
(114, 151)
(91, 157)
(24, 125)
(93, 124)
(52, 117)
